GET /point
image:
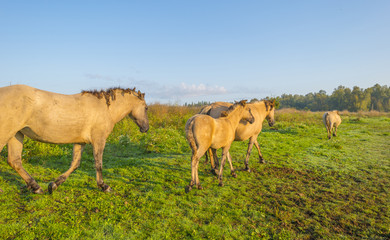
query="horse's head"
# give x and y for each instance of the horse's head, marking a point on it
(247, 114)
(139, 113)
(270, 107)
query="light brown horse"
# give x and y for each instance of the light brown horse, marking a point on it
(261, 110)
(204, 132)
(332, 121)
(84, 118)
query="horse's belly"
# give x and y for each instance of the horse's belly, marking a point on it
(48, 135)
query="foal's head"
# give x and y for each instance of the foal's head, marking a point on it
(246, 111)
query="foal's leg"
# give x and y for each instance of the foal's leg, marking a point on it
(233, 172)
(77, 151)
(252, 140)
(215, 160)
(196, 155)
(209, 154)
(98, 148)
(225, 151)
(15, 147)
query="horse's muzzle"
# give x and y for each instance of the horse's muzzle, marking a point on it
(271, 123)
(144, 129)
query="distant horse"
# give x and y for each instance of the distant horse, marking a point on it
(204, 132)
(331, 120)
(261, 110)
(84, 118)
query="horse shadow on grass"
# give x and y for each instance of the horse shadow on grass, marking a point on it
(132, 157)
(286, 130)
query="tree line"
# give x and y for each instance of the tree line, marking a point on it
(376, 98)
(358, 99)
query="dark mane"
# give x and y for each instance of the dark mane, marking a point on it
(269, 104)
(232, 107)
(110, 94)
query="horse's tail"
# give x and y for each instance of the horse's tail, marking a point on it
(327, 121)
(190, 134)
(206, 110)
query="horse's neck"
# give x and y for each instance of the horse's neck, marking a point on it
(235, 117)
(261, 110)
(120, 107)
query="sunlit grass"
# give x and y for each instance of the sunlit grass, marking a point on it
(311, 187)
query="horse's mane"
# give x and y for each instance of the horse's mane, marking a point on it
(232, 107)
(110, 94)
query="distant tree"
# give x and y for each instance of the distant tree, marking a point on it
(380, 98)
(342, 98)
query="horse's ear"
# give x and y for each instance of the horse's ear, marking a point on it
(142, 96)
(243, 102)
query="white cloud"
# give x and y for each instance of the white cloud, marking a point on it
(158, 91)
(200, 90)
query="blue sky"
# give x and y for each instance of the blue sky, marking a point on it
(189, 51)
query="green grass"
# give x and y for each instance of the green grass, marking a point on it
(311, 187)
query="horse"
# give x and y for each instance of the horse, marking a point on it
(331, 120)
(84, 118)
(204, 132)
(261, 110)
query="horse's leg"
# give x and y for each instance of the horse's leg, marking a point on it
(335, 131)
(98, 148)
(248, 154)
(233, 172)
(209, 153)
(215, 160)
(193, 177)
(196, 155)
(329, 129)
(225, 151)
(261, 159)
(15, 147)
(197, 175)
(77, 151)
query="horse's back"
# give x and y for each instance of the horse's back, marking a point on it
(16, 101)
(10, 93)
(215, 109)
(332, 118)
(47, 116)
(200, 123)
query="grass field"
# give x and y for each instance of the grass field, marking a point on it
(311, 187)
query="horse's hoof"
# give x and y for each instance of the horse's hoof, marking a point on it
(214, 172)
(234, 174)
(106, 188)
(262, 161)
(247, 169)
(188, 189)
(52, 186)
(199, 187)
(220, 184)
(38, 191)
